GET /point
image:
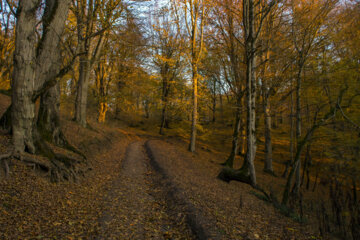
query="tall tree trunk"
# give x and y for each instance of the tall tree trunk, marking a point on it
(103, 107)
(221, 107)
(251, 119)
(213, 109)
(235, 138)
(146, 109)
(195, 110)
(291, 147)
(249, 20)
(163, 118)
(214, 103)
(242, 144)
(267, 130)
(23, 106)
(298, 129)
(306, 165)
(165, 100)
(82, 91)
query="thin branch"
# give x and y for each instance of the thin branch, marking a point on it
(347, 118)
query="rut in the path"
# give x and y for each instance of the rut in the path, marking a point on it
(135, 207)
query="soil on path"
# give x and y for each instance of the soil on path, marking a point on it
(136, 206)
(230, 210)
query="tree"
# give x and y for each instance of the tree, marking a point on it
(103, 77)
(252, 23)
(251, 33)
(230, 31)
(167, 48)
(36, 65)
(306, 26)
(195, 19)
(94, 18)
(302, 143)
(271, 73)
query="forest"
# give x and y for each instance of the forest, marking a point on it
(180, 119)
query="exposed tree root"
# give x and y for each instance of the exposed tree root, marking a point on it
(57, 166)
(62, 167)
(65, 144)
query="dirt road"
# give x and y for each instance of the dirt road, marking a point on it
(136, 206)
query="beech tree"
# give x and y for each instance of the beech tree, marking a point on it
(94, 18)
(252, 30)
(271, 74)
(167, 46)
(36, 64)
(307, 20)
(254, 15)
(229, 29)
(104, 73)
(195, 13)
(37, 67)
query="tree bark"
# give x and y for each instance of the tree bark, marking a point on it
(298, 128)
(23, 107)
(196, 33)
(307, 163)
(295, 164)
(86, 16)
(235, 138)
(102, 112)
(268, 167)
(242, 144)
(214, 102)
(249, 22)
(35, 66)
(49, 116)
(165, 100)
(291, 145)
(82, 91)
(195, 110)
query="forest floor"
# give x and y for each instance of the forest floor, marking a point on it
(139, 186)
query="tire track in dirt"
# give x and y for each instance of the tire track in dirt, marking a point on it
(135, 206)
(175, 197)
